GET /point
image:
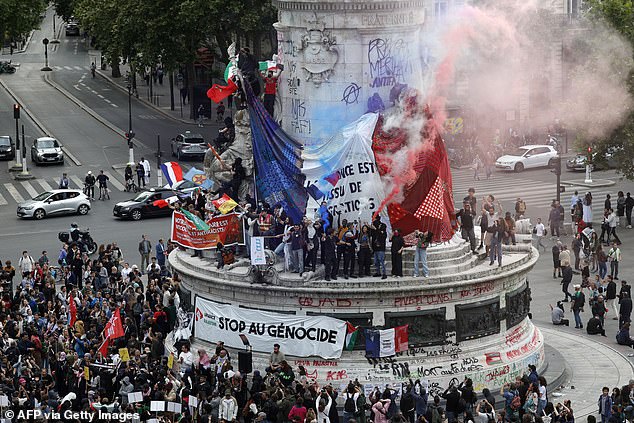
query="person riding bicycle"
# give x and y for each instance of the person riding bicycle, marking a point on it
(93, 68)
(89, 183)
(129, 177)
(103, 185)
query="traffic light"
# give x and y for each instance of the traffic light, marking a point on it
(589, 155)
(16, 111)
(129, 136)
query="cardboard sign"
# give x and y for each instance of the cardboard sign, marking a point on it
(124, 354)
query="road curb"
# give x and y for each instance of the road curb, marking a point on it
(88, 110)
(111, 81)
(36, 121)
(597, 184)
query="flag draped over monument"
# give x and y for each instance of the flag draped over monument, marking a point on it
(278, 160)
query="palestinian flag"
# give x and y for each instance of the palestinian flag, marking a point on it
(351, 336)
(200, 224)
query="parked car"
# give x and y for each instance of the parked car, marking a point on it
(142, 205)
(7, 148)
(528, 156)
(72, 28)
(55, 202)
(578, 163)
(188, 144)
(46, 150)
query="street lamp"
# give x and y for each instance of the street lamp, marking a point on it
(130, 133)
(54, 40)
(46, 68)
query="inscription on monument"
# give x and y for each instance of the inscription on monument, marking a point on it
(391, 19)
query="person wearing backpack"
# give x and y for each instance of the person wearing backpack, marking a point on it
(350, 397)
(512, 402)
(433, 414)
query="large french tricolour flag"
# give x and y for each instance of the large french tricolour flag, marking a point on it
(173, 172)
(386, 343)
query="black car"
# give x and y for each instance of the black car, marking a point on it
(143, 206)
(7, 148)
(72, 29)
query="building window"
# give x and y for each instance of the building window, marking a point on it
(440, 9)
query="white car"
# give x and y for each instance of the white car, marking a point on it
(55, 202)
(528, 156)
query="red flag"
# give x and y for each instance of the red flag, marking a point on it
(113, 330)
(401, 338)
(217, 93)
(72, 307)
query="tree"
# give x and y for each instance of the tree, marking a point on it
(18, 17)
(619, 14)
(64, 8)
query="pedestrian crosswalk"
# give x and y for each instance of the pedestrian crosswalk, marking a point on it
(506, 188)
(72, 68)
(18, 191)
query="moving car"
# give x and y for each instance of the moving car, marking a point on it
(188, 144)
(183, 186)
(54, 202)
(142, 205)
(72, 28)
(46, 150)
(7, 148)
(528, 156)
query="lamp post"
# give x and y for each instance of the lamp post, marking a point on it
(130, 133)
(46, 68)
(18, 151)
(159, 172)
(54, 40)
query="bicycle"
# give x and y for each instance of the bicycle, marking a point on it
(104, 193)
(131, 186)
(89, 191)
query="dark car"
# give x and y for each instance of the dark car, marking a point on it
(72, 28)
(578, 163)
(46, 150)
(143, 206)
(7, 148)
(188, 144)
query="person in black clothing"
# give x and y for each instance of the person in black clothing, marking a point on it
(238, 175)
(625, 308)
(577, 245)
(595, 326)
(466, 215)
(556, 262)
(329, 249)
(350, 248)
(565, 282)
(379, 238)
(452, 396)
(398, 245)
(629, 205)
(89, 183)
(365, 252)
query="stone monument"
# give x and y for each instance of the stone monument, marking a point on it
(343, 58)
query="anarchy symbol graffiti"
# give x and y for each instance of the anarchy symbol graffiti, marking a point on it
(351, 93)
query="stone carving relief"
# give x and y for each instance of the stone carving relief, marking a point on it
(518, 305)
(477, 320)
(319, 52)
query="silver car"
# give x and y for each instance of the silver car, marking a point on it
(55, 202)
(46, 150)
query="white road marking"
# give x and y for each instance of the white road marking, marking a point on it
(118, 185)
(76, 87)
(29, 188)
(68, 68)
(3, 202)
(113, 105)
(77, 181)
(44, 184)
(14, 193)
(79, 68)
(99, 95)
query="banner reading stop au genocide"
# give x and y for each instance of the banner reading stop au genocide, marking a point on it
(225, 229)
(301, 336)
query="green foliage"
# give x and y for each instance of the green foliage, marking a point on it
(619, 14)
(170, 31)
(18, 17)
(64, 8)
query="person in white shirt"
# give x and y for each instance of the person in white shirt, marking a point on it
(323, 403)
(125, 272)
(614, 256)
(539, 230)
(146, 167)
(228, 410)
(26, 264)
(612, 221)
(185, 358)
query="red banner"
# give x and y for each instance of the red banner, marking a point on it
(225, 229)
